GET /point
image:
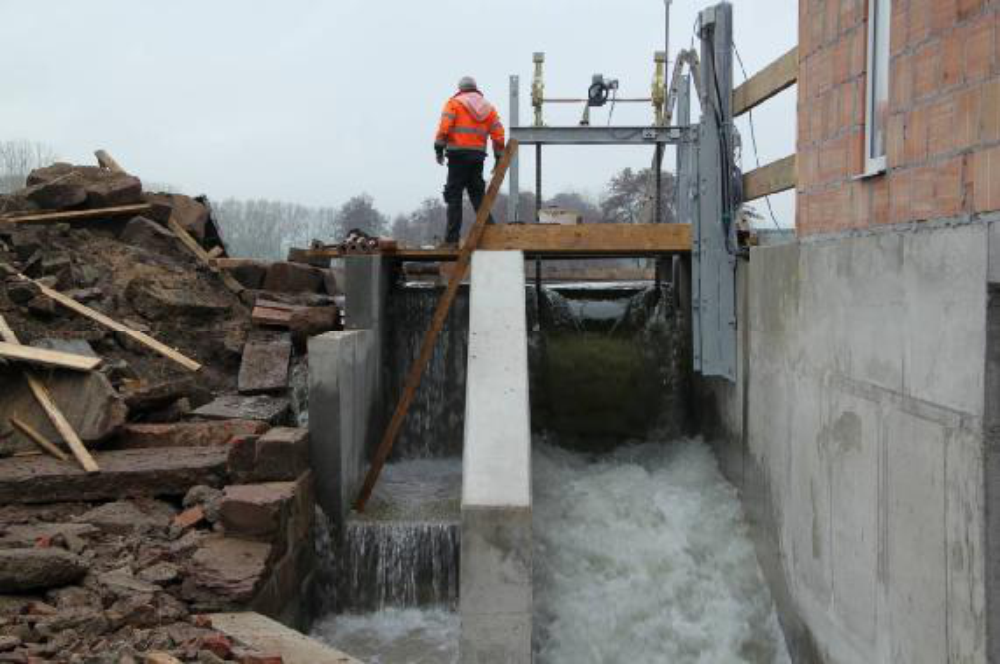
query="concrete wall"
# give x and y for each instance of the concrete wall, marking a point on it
(496, 563)
(943, 128)
(343, 387)
(859, 446)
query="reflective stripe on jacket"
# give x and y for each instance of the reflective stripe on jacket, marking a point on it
(468, 122)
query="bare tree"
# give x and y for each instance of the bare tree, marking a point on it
(360, 213)
(18, 158)
(628, 194)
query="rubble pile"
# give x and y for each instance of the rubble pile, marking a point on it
(203, 500)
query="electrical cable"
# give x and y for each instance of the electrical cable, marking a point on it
(753, 138)
(614, 100)
(724, 162)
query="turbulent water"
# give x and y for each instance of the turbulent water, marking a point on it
(641, 556)
(395, 636)
(644, 556)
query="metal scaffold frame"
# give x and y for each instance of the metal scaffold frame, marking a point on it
(708, 185)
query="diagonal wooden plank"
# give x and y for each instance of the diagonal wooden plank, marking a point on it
(38, 439)
(48, 404)
(768, 82)
(96, 316)
(437, 323)
(78, 215)
(192, 245)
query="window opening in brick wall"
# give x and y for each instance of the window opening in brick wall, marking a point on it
(877, 111)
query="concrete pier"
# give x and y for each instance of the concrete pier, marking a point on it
(496, 489)
(343, 379)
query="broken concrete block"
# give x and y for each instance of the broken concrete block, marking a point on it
(257, 511)
(23, 570)
(242, 456)
(227, 568)
(284, 277)
(43, 307)
(142, 232)
(265, 365)
(124, 474)
(56, 195)
(89, 402)
(186, 211)
(272, 410)
(126, 516)
(104, 188)
(158, 301)
(312, 321)
(186, 434)
(160, 573)
(249, 272)
(282, 454)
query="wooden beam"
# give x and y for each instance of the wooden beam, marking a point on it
(48, 358)
(105, 160)
(228, 280)
(78, 215)
(111, 324)
(38, 439)
(554, 241)
(437, 324)
(48, 405)
(774, 178)
(587, 239)
(769, 81)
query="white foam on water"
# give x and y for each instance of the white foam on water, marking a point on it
(644, 556)
(394, 636)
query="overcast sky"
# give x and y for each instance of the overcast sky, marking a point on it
(313, 101)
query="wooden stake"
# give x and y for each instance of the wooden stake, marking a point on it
(52, 411)
(111, 324)
(38, 439)
(437, 323)
(227, 279)
(105, 160)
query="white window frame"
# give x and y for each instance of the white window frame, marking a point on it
(879, 21)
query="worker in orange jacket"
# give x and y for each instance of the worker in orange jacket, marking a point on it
(468, 122)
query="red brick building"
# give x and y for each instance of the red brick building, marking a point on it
(922, 143)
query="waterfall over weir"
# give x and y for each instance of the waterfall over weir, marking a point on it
(403, 552)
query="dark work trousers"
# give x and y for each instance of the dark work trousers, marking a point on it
(465, 173)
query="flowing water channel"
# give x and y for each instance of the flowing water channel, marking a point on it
(641, 555)
(642, 552)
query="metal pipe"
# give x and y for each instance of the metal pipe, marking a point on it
(514, 175)
(538, 183)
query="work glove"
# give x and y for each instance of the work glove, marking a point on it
(439, 152)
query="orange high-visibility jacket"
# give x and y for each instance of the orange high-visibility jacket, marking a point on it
(467, 121)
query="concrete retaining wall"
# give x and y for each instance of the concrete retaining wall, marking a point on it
(343, 385)
(496, 565)
(859, 447)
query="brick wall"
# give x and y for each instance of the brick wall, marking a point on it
(943, 134)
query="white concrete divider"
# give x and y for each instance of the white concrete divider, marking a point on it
(495, 596)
